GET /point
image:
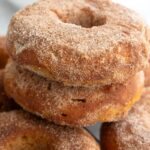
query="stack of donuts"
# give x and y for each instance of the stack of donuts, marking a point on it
(76, 62)
(73, 63)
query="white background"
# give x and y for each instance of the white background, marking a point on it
(9, 7)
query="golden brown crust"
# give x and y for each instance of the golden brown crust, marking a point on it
(75, 106)
(20, 130)
(3, 52)
(132, 133)
(56, 39)
(6, 103)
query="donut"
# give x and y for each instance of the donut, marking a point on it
(6, 103)
(79, 42)
(133, 132)
(22, 131)
(73, 106)
(3, 52)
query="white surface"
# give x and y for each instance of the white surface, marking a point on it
(21, 3)
(9, 7)
(7, 10)
(141, 6)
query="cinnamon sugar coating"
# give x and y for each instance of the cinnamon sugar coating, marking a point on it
(133, 132)
(74, 106)
(79, 42)
(20, 130)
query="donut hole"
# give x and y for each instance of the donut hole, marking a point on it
(79, 100)
(89, 22)
(84, 17)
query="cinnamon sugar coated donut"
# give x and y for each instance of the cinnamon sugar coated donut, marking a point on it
(74, 106)
(20, 130)
(132, 133)
(3, 52)
(79, 42)
(6, 103)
